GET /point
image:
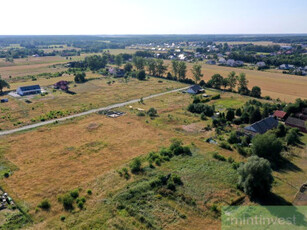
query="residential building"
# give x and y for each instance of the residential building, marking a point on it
(28, 90)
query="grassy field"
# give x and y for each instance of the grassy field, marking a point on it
(92, 94)
(87, 160)
(277, 85)
(98, 146)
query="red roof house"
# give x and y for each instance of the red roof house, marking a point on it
(280, 114)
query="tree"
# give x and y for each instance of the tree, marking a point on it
(128, 67)
(230, 115)
(256, 92)
(152, 112)
(3, 84)
(292, 137)
(255, 115)
(161, 68)
(197, 72)
(225, 83)
(119, 60)
(141, 75)
(96, 62)
(136, 165)
(175, 67)
(216, 81)
(281, 130)
(238, 112)
(182, 70)
(232, 80)
(80, 77)
(243, 82)
(255, 177)
(267, 146)
(138, 62)
(152, 67)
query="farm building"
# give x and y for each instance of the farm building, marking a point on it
(116, 72)
(28, 90)
(281, 115)
(195, 89)
(63, 85)
(260, 64)
(296, 123)
(261, 127)
(211, 62)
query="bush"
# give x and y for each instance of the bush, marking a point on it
(141, 75)
(219, 157)
(215, 97)
(63, 218)
(45, 205)
(67, 201)
(233, 138)
(292, 137)
(89, 192)
(74, 193)
(255, 177)
(140, 114)
(225, 145)
(152, 112)
(135, 165)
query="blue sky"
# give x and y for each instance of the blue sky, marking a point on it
(153, 16)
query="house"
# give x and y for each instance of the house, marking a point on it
(261, 127)
(286, 67)
(211, 62)
(195, 89)
(181, 57)
(230, 62)
(116, 72)
(296, 123)
(260, 64)
(222, 61)
(62, 85)
(28, 90)
(280, 115)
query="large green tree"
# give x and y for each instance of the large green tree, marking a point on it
(243, 82)
(161, 68)
(255, 177)
(256, 92)
(119, 60)
(197, 74)
(182, 70)
(3, 84)
(175, 67)
(232, 80)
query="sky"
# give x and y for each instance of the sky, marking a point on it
(95, 17)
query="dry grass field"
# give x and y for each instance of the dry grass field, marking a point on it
(85, 153)
(277, 85)
(92, 94)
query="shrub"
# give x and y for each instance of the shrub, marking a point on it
(140, 114)
(215, 97)
(219, 157)
(67, 201)
(135, 165)
(255, 177)
(177, 180)
(63, 218)
(74, 193)
(141, 75)
(89, 192)
(152, 112)
(45, 205)
(171, 186)
(225, 145)
(292, 137)
(233, 138)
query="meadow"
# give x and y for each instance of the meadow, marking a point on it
(97, 92)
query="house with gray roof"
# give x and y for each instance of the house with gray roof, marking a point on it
(261, 127)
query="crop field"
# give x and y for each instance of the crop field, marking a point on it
(94, 93)
(276, 85)
(35, 65)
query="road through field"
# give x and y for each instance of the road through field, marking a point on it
(7, 132)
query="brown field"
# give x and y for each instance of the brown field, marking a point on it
(277, 85)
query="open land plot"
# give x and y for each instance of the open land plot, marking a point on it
(35, 65)
(85, 152)
(92, 94)
(277, 85)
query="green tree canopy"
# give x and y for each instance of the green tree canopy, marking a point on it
(197, 74)
(255, 177)
(3, 84)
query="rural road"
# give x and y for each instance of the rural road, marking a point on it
(7, 132)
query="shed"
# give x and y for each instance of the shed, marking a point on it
(28, 90)
(281, 115)
(296, 123)
(195, 89)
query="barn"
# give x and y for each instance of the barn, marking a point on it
(28, 90)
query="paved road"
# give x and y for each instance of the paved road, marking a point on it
(6, 132)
